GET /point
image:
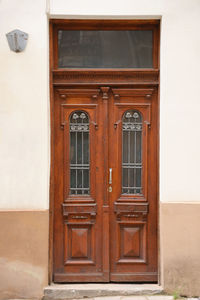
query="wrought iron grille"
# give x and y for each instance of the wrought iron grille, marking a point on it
(132, 153)
(79, 153)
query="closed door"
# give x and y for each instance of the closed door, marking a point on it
(105, 184)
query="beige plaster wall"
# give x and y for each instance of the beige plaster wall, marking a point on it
(180, 248)
(179, 82)
(24, 251)
(25, 146)
(24, 108)
(24, 99)
(23, 254)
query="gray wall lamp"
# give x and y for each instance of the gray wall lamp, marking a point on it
(17, 40)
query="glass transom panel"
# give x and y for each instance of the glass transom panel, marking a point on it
(105, 49)
(79, 153)
(132, 152)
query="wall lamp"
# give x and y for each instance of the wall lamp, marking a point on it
(17, 40)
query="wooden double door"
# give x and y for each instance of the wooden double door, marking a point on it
(105, 184)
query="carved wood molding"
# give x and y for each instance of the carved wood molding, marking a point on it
(131, 207)
(105, 91)
(80, 211)
(136, 106)
(75, 106)
(77, 77)
(120, 92)
(131, 210)
(64, 93)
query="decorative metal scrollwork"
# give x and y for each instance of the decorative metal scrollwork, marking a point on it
(134, 127)
(79, 117)
(79, 153)
(132, 152)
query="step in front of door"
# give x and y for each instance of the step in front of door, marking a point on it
(80, 291)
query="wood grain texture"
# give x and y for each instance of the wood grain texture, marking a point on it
(99, 77)
(105, 236)
(133, 212)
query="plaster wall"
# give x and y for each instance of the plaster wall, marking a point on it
(23, 254)
(180, 244)
(180, 62)
(25, 130)
(24, 110)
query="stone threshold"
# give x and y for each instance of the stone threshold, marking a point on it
(90, 290)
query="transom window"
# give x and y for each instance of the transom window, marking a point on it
(105, 48)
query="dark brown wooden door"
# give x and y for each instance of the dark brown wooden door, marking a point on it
(105, 184)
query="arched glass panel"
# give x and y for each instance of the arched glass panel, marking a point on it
(132, 152)
(79, 153)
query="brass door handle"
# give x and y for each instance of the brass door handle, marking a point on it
(110, 175)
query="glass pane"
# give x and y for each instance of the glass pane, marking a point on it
(85, 178)
(132, 153)
(86, 147)
(73, 178)
(138, 146)
(105, 49)
(125, 147)
(79, 153)
(73, 147)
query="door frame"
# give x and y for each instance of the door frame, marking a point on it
(132, 77)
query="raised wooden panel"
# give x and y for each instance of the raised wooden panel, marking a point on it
(79, 240)
(79, 244)
(132, 243)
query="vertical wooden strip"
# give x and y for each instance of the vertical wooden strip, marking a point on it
(51, 191)
(106, 246)
(105, 141)
(105, 178)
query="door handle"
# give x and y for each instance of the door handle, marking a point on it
(110, 175)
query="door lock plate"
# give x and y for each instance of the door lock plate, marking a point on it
(110, 189)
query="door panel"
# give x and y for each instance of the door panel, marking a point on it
(79, 246)
(105, 208)
(133, 244)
